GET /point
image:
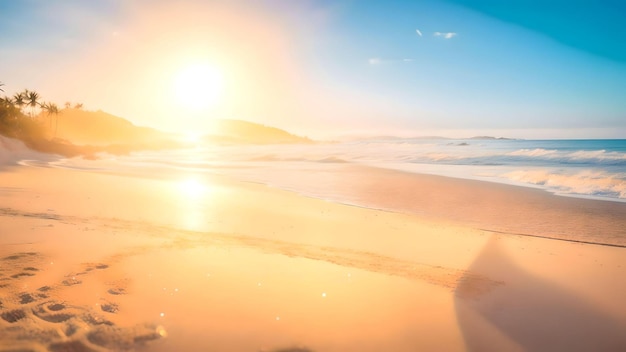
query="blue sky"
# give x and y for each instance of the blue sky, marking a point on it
(530, 69)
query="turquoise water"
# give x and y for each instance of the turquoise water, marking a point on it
(585, 168)
(579, 168)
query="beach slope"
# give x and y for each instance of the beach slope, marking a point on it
(109, 262)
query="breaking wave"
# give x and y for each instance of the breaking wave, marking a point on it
(579, 156)
(579, 168)
(586, 182)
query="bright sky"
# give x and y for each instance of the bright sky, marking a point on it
(529, 69)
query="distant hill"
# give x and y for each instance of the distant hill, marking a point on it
(245, 132)
(491, 138)
(391, 138)
(95, 128)
(98, 129)
(83, 127)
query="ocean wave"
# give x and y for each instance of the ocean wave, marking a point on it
(597, 154)
(34, 163)
(313, 159)
(578, 156)
(533, 152)
(332, 159)
(266, 157)
(444, 157)
(585, 182)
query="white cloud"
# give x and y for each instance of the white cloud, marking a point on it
(446, 35)
(418, 32)
(380, 61)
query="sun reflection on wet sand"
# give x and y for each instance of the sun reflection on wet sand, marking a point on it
(193, 188)
(194, 200)
(366, 311)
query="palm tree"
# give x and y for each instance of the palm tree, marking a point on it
(67, 105)
(45, 106)
(18, 99)
(5, 110)
(6, 100)
(32, 97)
(78, 106)
(54, 110)
(1, 84)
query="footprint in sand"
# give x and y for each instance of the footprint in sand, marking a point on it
(293, 349)
(15, 276)
(71, 281)
(77, 346)
(116, 291)
(54, 312)
(109, 307)
(44, 289)
(117, 339)
(35, 321)
(19, 265)
(118, 287)
(17, 256)
(26, 298)
(89, 267)
(13, 315)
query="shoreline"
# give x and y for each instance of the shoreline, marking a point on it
(18, 153)
(594, 215)
(506, 181)
(417, 194)
(149, 264)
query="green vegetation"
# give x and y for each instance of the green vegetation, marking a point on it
(25, 117)
(27, 126)
(72, 131)
(14, 122)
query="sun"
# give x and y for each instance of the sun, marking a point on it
(192, 188)
(198, 87)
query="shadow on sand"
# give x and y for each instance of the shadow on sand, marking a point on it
(529, 313)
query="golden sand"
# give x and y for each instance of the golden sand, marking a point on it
(100, 262)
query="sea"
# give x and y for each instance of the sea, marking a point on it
(575, 168)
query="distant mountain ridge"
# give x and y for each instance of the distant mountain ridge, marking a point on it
(100, 128)
(492, 138)
(245, 132)
(396, 138)
(84, 127)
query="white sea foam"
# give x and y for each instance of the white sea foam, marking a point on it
(13, 151)
(573, 156)
(597, 154)
(584, 182)
(532, 152)
(587, 168)
(443, 157)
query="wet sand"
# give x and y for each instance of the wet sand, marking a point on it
(102, 262)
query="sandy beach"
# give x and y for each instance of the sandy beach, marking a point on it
(109, 262)
(312, 176)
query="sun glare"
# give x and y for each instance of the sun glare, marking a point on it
(192, 188)
(198, 87)
(192, 137)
